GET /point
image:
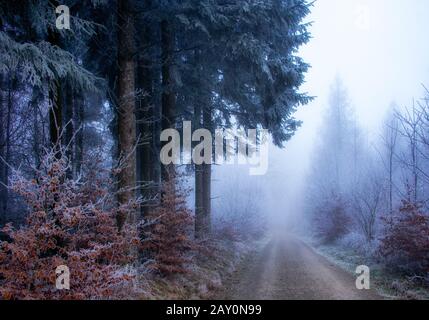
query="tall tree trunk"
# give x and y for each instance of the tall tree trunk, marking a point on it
(200, 222)
(202, 119)
(36, 99)
(168, 94)
(391, 180)
(55, 97)
(156, 131)
(207, 174)
(203, 183)
(126, 106)
(415, 164)
(7, 142)
(3, 189)
(200, 231)
(79, 124)
(55, 117)
(145, 154)
(207, 180)
(69, 129)
(5, 146)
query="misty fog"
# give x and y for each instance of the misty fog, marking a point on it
(378, 50)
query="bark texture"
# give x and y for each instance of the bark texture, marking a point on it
(168, 94)
(126, 105)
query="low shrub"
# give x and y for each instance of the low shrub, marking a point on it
(405, 244)
(168, 237)
(70, 223)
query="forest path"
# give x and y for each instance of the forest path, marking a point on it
(288, 269)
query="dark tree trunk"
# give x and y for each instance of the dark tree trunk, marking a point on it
(200, 230)
(56, 99)
(156, 131)
(5, 146)
(69, 129)
(168, 94)
(203, 183)
(200, 225)
(207, 174)
(55, 116)
(38, 141)
(203, 119)
(126, 105)
(79, 124)
(206, 185)
(145, 155)
(3, 190)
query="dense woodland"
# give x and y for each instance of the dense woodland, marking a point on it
(81, 112)
(369, 193)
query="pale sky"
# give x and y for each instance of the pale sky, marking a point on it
(378, 47)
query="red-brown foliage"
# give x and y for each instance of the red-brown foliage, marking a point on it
(70, 223)
(167, 240)
(406, 240)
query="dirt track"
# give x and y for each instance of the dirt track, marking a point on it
(288, 269)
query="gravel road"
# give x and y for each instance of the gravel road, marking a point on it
(288, 269)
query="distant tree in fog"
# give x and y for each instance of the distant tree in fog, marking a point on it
(338, 156)
(388, 150)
